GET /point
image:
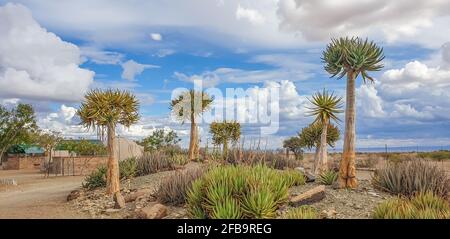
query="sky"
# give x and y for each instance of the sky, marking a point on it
(53, 52)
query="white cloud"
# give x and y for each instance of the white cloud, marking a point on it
(131, 69)
(37, 64)
(156, 36)
(100, 56)
(164, 52)
(320, 20)
(252, 15)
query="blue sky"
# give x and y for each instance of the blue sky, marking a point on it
(52, 52)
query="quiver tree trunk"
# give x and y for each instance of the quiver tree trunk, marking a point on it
(112, 172)
(322, 157)
(347, 170)
(193, 144)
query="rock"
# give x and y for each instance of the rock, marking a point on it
(133, 196)
(155, 211)
(313, 195)
(112, 210)
(73, 195)
(120, 201)
(373, 194)
(309, 177)
(328, 214)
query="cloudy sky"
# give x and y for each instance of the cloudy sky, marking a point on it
(52, 52)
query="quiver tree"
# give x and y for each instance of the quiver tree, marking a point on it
(310, 137)
(325, 107)
(104, 110)
(224, 132)
(351, 57)
(188, 106)
(294, 145)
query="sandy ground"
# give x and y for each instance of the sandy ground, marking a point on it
(36, 196)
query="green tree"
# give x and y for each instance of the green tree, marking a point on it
(16, 126)
(48, 141)
(310, 137)
(325, 107)
(82, 147)
(159, 139)
(351, 57)
(187, 107)
(223, 133)
(294, 145)
(104, 110)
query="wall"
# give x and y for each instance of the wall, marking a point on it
(17, 163)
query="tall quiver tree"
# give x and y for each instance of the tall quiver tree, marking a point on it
(104, 110)
(188, 106)
(351, 57)
(223, 133)
(325, 107)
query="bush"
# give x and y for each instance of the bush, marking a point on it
(327, 177)
(436, 155)
(294, 177)
(239, 192)
(302, 212)
(96, 179)
(127, 168)
(179, 159)
(411, 177)
(173, 189)
(153, 162)
(422, 206)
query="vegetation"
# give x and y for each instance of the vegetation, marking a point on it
(310, 137)
(327, 177)
(422, 206)
(96, 179)
(82, 147)
(173, 189)
(325, 108)
(188, 106)
(238, 192)
(152, 162)
(223, 133)
(411, 177)
(302, 212)
(48, 141)
(16, 126)
(294, 145)
(128, 168)
(436, 155)
(351, 57)
(159, 139)
(103, 110)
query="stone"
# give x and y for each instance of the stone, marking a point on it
(112, 210)
(134, 196)
(373, 194)
(119, 201)
(73, 195)
(153, 211)
(309, 177)
(313, 195)
(328, 214)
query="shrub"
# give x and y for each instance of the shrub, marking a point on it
(411, 177)
(302, 212)
(127, 168)
(239, 191)
(327, 177)
(436, 155)
(173, 189)
(179, 159)
(422, 206)
(152, 162)
(294, 177)
(96, 179)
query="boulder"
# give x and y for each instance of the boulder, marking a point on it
(309, 177)
(73, 195)
(153, 211)
(133, 196)
(119, 201)
(313, 195)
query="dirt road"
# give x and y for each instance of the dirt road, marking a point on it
(36, 196)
